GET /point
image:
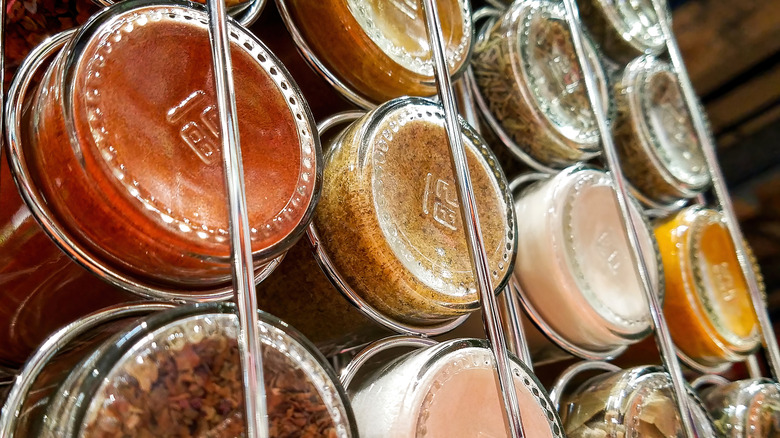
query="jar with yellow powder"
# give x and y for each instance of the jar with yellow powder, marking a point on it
(708, 306)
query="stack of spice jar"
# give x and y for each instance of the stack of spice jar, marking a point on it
(357, 233)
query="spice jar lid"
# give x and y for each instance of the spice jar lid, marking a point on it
(639, 400)
(636, 22)
(390, 220)
(180, 373)
(745, 409)
(662, 118)
(719, 286)
(376, 50)
(547, 65)
(419, 392)
(577, 253)
(144, 124)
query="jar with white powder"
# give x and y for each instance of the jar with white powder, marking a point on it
(448, 389)
(574, 269)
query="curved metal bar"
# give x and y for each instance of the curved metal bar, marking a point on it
(337, 119)
(703, 369)
(372, 349)
(569, 373)
(721, 191)
(249, 344)
(497, 4)
(492, 11)
(526, 178)
(52, 345)
(709, 379)
(341, 284)
(316, 64)
(470, 217)
(663, 337)
(556, 338)
(244, 15)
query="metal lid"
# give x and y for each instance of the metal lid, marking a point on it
(636, 22)
(718, 283)
(397, 27)
(389, 216)
(662, 118)
(180, 371)
(574, 252)
(142, 127)
(547, 66)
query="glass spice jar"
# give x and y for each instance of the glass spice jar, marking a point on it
(659, 152)
(388, 230)
(178, 374)
(708, 306)
(377, 50)
(637, 402)
(118, 158)
(575, 270)
(448, 389)
(624, 29)
(529, 75)
(745, 409)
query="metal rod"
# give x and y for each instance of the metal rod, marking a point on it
(663, 337)
(470, 219)
(719, 185)
(515, 336)
(250, 349)
(753, 367)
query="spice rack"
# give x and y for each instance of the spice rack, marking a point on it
(243, 274)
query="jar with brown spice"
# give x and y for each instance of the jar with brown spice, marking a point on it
(659, 151)
(388, 230)
(528, 74)
(117, 155)
(178, 374)
(624, 29)
(708, 306)
(376, 50)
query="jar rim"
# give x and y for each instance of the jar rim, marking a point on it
(698, 293)
(371, 130)
(526, 16)
(636, 81)
(637, 37)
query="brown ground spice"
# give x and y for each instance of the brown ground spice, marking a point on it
(351, 233)
(512, 103)
(197, 391)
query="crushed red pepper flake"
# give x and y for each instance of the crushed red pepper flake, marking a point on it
(197, 391)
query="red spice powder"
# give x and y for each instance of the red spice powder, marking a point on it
(150, 197)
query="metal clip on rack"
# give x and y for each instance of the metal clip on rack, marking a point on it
(250, 351)
(663, 337)
(470, 219)
(719, 186)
